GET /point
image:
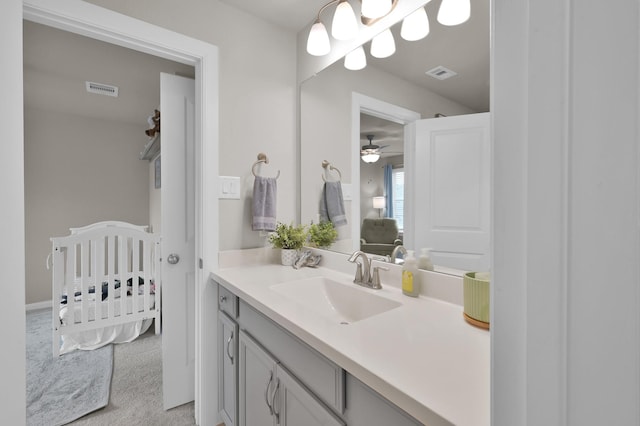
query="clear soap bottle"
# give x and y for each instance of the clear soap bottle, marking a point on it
(424, 260)
(410, 277)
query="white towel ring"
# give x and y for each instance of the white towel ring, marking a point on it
(262, 158)
(328, 166)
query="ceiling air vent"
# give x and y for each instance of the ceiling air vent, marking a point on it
(102, 89)
(441, 73)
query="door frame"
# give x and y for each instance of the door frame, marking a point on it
(366, 104)
(96, 22)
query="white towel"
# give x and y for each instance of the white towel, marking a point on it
(264, 204)
(332, 204)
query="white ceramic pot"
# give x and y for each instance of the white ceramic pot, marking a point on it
(288, 256)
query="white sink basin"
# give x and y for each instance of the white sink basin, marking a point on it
(346, 303)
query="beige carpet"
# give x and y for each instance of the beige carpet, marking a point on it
(136, 389)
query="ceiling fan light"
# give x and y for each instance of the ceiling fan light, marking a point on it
(415, 26)
(344, 25)
(370, 157)
(318, 40)
(355, 60)
(373, 9)
(383, 45)
(454, 12)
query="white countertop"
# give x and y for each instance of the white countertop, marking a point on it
(423, 356)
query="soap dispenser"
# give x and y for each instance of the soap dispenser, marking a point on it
(424, 261)
(410, 277)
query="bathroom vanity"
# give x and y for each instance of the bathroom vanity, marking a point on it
(307, 346)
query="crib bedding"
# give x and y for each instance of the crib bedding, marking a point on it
(96, 338)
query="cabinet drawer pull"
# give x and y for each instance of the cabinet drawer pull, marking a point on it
(229, 344)
(266, 394)
(273, 402)
(223, 299)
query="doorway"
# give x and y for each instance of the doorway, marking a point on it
(95, 22)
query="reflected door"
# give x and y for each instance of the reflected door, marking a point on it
(449, 185)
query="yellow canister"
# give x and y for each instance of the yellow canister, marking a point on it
(476, 298)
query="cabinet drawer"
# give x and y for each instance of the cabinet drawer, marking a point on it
(227, 302)
(324, 378)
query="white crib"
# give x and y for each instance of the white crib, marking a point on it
(107, 285)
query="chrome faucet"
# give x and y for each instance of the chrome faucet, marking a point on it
(396, 250)
(363, 272)
(364, 277)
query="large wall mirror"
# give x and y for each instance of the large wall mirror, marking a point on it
(343, 110)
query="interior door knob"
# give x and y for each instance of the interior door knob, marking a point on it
(173, 258)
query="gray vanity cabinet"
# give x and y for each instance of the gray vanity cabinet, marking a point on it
(276, 379)
(269, 395)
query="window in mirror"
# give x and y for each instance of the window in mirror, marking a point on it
(398, 197)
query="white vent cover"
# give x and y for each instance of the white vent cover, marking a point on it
(102, 89)
(441, 73)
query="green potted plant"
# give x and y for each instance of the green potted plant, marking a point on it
(290, 238)
(322, 234)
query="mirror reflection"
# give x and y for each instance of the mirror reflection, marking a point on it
(339, 127)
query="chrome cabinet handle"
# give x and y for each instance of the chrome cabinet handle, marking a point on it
(229, 344)
(273, 401)
(266, 394)
(223, 299)
(173, 258)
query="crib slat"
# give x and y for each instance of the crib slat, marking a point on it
(122, 272)
(70, 282)
(111, 255)
(58, 288)
(84, 280)
(98, 273)
(146, 276)
(135, 273)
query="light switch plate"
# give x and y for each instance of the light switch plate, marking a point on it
(229, 187)
(347, 191)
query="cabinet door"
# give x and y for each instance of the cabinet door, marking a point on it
(228, 368)
(256, 386)
(295, 405)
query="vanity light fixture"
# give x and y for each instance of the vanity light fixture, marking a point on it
(344, 25)
(415, 26)
(454, 12)
(374, 9)
(356, 59)
(383, 45)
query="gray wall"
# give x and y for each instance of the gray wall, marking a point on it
(78, 171)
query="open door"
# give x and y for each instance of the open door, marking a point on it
(450, 188)
(177, 107)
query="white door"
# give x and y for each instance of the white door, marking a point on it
(177, 109)
(450, 189)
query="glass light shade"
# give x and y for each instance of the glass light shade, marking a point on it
(454, 12)
(379, 202)
(318, 40)
(415, 26)
(375, 8)
(344, 25)
(370, 158)
(383, 45)
(355, 60)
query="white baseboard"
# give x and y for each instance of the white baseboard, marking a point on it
(39, 305)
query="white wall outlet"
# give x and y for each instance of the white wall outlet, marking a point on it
(229, 187)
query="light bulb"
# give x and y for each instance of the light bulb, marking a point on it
(415, 26)
(383, 45)
(344, 25)
(454, 12)
(375, 8)
(370, 158)
(318, 40)
(356, 59)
